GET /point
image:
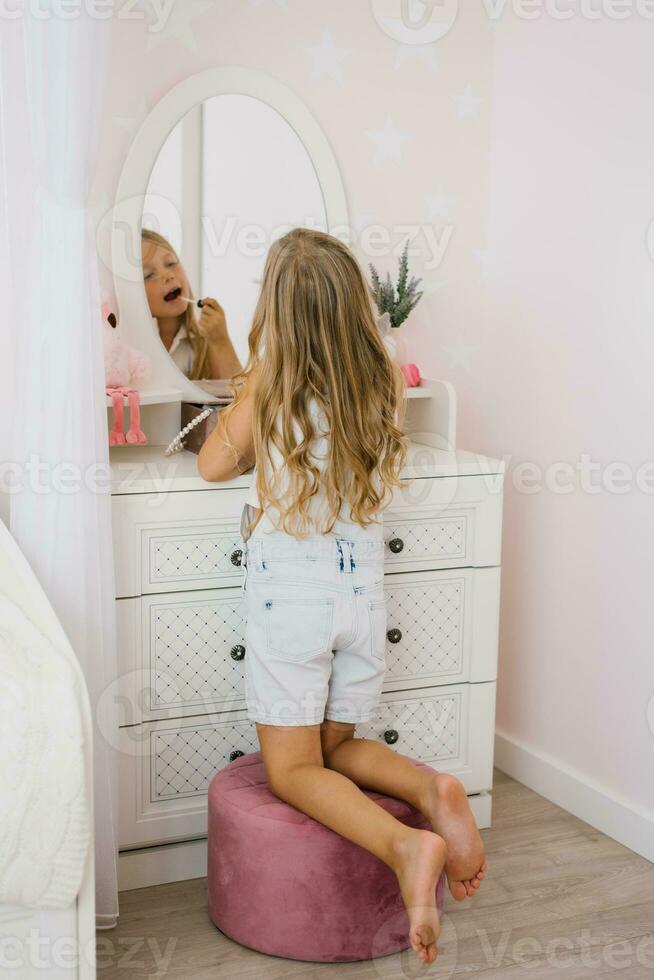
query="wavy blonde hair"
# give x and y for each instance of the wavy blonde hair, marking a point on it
(199, 346)
(314, 334)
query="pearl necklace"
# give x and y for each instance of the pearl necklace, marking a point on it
(177, 444)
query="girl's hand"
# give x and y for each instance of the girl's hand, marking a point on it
(212, 323)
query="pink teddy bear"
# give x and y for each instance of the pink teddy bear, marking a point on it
(123, 366)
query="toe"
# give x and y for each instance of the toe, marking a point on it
(424, 943)
(427, 935)
(457, 890)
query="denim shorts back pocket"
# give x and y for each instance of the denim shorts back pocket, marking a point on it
(298, 627)
(378, 616)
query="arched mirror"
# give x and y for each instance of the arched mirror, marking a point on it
(227, 162)
(229, 179)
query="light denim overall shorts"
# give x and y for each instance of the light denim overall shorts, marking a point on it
(316, 623)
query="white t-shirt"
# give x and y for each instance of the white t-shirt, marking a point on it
(318, 505)
(181, 351)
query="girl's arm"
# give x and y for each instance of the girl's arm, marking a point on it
(216, 460)
(223, 359)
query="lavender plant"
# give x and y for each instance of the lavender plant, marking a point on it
(397, 301)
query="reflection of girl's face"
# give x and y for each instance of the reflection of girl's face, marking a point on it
(164, 279)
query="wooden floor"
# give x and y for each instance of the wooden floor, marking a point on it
(561, 900)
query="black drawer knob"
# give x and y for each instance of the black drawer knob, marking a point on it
(235, 754)
(391, 736)
(396, 545)
(236, 556)
(394, 635)
(237, 652)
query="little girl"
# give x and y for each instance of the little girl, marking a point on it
(319, 410)
(200, 350)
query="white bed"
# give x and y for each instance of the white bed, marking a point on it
(52, 943)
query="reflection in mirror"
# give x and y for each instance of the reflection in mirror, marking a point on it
(232, 177)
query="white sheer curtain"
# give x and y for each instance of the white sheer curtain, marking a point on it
(52, 70)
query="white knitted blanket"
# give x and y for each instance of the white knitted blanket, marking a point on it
(44, 801)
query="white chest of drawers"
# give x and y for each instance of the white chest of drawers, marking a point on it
(181, 625)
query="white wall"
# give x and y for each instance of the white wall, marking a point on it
(569, 359)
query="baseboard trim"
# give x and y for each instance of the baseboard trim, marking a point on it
(481, 806)
(161, 865)
(572, 791)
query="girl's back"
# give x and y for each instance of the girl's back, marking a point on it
(265, 518)
(327, 400)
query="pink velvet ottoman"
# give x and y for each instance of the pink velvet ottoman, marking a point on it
(286, 885)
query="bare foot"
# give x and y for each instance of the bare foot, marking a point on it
(420, 857)
(448, 810)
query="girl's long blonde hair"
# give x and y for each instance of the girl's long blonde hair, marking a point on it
(201, 364)
(315, 334)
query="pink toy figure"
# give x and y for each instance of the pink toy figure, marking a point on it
(123, 365)
(411, 374)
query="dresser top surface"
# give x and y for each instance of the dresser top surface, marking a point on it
(146, 469)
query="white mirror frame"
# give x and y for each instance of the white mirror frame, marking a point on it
(134, 315)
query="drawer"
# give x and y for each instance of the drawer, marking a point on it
(164, 773)
(449, 727)
(180, 653)
(184, 653)
(445, 522)
(442, 627)
(166, 767)
(185, 540)
(171, 542)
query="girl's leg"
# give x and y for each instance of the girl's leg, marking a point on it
(439, 796)
(295, 772)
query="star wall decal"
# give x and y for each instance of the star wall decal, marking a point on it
(327, 59)
(439, 204)
(389, 141)
(468, 103)
(460, 354)
(177, 26)
(426, 53)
